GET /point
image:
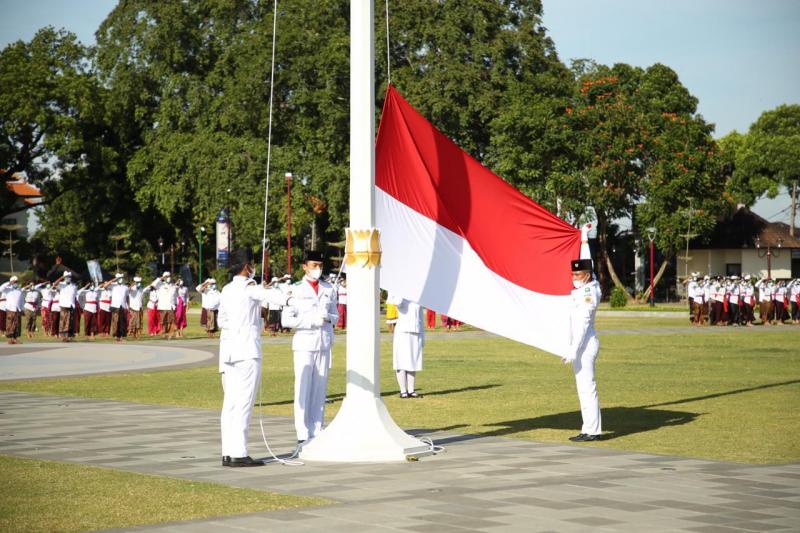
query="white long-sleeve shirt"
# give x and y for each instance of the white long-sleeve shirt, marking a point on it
(66, 295)
(240, 320)
(584, 306)
(13, 295)
(210, 297)
(136, 297)
(304, 312)
(119, 295)
(167, 295)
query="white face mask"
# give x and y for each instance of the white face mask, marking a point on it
(251, 273)
(315, 273)
(578, 283)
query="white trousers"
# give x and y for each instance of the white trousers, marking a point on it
(406, 379)
(310, 388)
(587, 387)
(239, 383)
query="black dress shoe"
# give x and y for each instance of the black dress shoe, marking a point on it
(583, 437)
(240, 461)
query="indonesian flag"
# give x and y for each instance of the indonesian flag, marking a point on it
(458, 239)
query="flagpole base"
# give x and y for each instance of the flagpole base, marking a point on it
(363, 432)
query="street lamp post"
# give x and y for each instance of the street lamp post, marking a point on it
(768, 253)
(651, 234)
(200, 236)
(161, 250)
(288, 177)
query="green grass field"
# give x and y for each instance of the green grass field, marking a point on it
(53, 496)
(713, 393)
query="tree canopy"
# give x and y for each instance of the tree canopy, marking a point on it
(164, 122)
(767, 157)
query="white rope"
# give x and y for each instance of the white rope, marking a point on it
(269, 137)
(275, 458)
(388, 63)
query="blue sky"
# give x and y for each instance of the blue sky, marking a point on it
(739, 57)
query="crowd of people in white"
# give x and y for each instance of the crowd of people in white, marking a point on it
(732, 301)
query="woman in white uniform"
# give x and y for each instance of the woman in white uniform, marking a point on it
(409, 338)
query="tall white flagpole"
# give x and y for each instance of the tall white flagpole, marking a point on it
(363, 429)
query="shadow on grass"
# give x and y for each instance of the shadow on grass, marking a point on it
(340, 396)
(726, 393)
(624, 420)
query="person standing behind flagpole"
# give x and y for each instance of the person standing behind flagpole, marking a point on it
(312, 313)
(408, 341)
(240, 355)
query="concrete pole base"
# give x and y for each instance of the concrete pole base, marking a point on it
(363, 432)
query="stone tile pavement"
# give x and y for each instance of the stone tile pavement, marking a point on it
(477, 484)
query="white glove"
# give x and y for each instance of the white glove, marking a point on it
(323, 315)
(569, 358)
(317, 321)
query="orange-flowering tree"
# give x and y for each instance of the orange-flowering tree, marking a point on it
(639, 148)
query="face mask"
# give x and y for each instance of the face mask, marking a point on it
(578, 283)
(251, 273)
(166, 280)
(315, 274)
(138, 284)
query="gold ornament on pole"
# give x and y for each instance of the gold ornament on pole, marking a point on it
(362, 247)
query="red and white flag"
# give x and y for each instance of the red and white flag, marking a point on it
(458, 239)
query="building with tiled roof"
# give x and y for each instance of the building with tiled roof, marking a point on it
(746, 243)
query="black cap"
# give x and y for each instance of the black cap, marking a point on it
(239, 258)
(313, 255)
(579, 265)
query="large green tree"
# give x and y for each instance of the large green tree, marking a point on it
(767, 157)
(48, 115)
(640, 149)
(189, 90)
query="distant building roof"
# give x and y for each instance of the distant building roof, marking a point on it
(745, 229)
(23, 189)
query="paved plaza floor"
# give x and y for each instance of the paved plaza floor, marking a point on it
(477, 484)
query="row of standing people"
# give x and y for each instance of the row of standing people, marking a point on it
(113, 308)
(733, 301)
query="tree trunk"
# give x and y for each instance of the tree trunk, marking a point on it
(656, 279)
(615, 278)
(605, 260)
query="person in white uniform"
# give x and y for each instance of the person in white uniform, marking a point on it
(312, 312)
(584, 347)
(240, 355)
(14, 305)
(66, 301)
(167, 303)
(210, 302)
(408, 341)
(136, 305)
